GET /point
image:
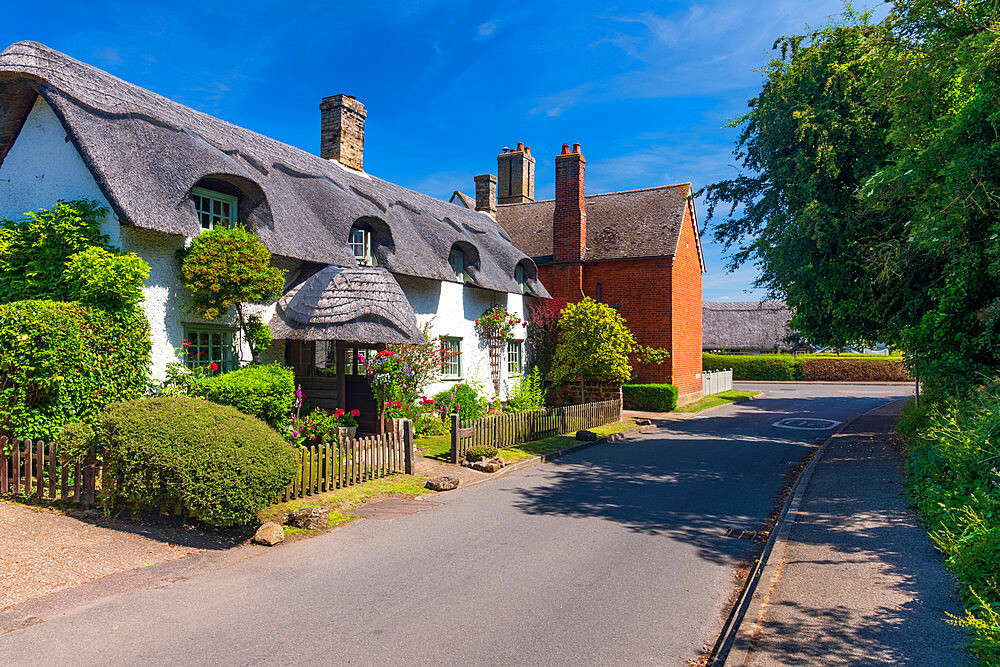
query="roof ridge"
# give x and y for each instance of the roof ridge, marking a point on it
(607, 194)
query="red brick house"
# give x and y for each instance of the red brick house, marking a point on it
(637, 250)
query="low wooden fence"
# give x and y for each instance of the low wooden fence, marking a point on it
(35, 469)
(352, 461)
(513, 428)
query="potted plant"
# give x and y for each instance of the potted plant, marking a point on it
(347, 421)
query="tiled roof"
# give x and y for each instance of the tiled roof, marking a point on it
(620, 225)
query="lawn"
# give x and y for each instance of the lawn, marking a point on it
(439, 446)
(716, 399)
(346, 498)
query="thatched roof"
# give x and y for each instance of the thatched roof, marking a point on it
(620, 225)
(147, 152)
(360, 304)
(759, 325)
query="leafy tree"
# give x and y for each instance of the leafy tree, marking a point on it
(99, 277)
(594, 344)
(227, 268)
(34, 253)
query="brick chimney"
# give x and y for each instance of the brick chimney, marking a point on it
(569, 228)
(486, 194)
(342, 130)
(516, 170)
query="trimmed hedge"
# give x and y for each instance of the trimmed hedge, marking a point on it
(653, 397)
(63, 362)
(854, 368)
(220, 465)
(265, 392)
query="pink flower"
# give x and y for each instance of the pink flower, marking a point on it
(355, 413)
(214, 366)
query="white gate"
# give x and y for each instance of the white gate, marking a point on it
(716, 382)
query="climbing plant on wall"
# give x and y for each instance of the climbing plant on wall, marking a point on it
(495, 327)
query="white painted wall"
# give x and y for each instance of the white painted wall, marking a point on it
(43, 167)
(453, 309)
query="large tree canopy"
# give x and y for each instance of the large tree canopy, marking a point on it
(868, 188)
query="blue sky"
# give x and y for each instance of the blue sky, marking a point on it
(647, 88)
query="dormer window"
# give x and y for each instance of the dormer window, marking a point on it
(360, 241)
(215, 210)
(457, 261)
(519, 278)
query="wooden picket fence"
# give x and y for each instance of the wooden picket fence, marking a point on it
(35, 469)
(352, 461)
(517, 427)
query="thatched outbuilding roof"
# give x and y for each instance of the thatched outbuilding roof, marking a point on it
(147, 152)
(360, 304)
(620, 225)
(761, 325)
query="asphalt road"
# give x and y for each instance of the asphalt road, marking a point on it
(612, 555)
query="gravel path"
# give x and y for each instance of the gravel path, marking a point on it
(42, 552)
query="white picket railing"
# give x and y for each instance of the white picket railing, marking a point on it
(716, 382)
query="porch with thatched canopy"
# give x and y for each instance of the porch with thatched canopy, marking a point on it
(330, 318)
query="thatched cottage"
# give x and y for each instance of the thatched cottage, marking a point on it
(747, 327)
(368, 262)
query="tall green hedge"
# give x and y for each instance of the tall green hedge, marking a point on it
(220, 465)
(655, 397)
(266, 392)
(62, 362)
(816, 367)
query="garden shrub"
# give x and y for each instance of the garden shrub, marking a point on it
(62, 362)
(481, 452)
(854, 370)
(814, 367)
(265, 392)
(653, 397)
(220, 465)
(463, 398)
(526, 394)
(105, 279)
(953, 463)
(74, 441)
(594, 344)
(755, 367)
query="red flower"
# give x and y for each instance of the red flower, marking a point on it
(355, 413)
(187, 343)
(339, 412)
(214, 366)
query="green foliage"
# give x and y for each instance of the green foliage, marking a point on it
(542, 336)
(62, 362)
(220, 465)
(226, 268)
(527, 393)
(755, 366)
(74, 441)
(653, 356)
(481, 452)
(809, 367)
(464, 398)
(594, 344)
(105, 279)
(265, 392)
(869, 195)
(424, 362)
(652, 397)
(954, 482)
(34, 252)
(257, 333)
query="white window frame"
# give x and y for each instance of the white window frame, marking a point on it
(201, 352)
(215, 219)
(367, 257)
(452, 367)
(515, 357)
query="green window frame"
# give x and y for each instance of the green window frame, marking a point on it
(515, 356)
(214, 209)
(457, 260)
(352, 363)
(207, 345)
(519, 277)
(451, 357)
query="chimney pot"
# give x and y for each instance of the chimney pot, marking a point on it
(576, 148)
(520, 145)
(527, 149)
(506, 149)
(565, 149)
(342, 130)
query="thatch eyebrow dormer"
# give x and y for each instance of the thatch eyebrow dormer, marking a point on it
(147, 152)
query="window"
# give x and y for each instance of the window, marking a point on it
(457, 261)
(206, 346)
(360, 241)
(451, 357)
(598, 292)
(515, 355)
(519, 277)
(214, 208)
(353, 357)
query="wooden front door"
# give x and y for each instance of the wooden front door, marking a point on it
(301, 355)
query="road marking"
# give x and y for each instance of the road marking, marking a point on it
(807, 424)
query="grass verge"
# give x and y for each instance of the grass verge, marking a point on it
(716, 399)
(343, 499)
(439, 446)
